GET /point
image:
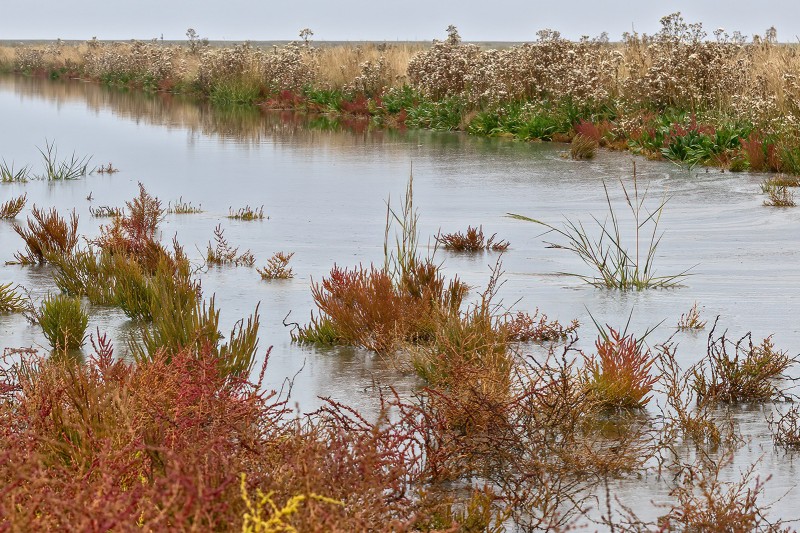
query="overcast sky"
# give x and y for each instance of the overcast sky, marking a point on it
(494, 20)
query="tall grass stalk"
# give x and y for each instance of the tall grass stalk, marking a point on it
(616, 266)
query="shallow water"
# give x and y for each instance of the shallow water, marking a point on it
(324, 190)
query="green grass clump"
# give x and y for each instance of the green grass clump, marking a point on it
(59, 170)
(8, 174)
(63, 322)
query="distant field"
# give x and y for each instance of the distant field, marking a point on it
(260, 44)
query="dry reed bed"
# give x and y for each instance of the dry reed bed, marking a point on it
(677, 94)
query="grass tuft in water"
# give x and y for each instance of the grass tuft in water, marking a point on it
(10, 175)
(691, 321)
(619, 375)
(59, 170)
(608, 254)
(778, 195)
(740, 371)
(107, 169)
(582, 147)
(106, 211)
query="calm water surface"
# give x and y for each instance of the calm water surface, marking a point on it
(325, 192)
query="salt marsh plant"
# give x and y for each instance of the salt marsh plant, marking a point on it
(619, 375)
(247, 213)
(691, 321)
(46, 233)
(56, 169)
(63, 322)
(277, 267)
(785, 427)
(473, 240)
(11, 301)
(383, 308)
(107, 169)
(183, 208)
(777, 195)
(524, 327)
(106, 211)
(740, 371)
(12, 208)
(608, 254)
(224, 254)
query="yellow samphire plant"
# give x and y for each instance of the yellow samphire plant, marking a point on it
(264, 516)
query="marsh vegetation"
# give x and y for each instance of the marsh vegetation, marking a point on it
(134, 402)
